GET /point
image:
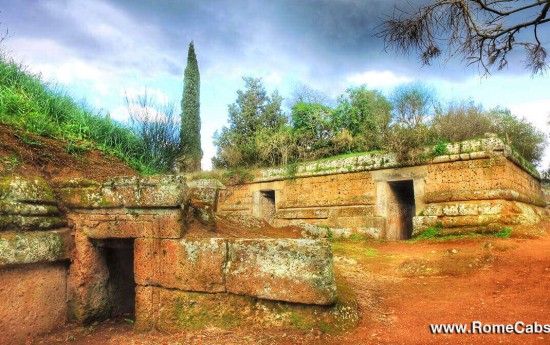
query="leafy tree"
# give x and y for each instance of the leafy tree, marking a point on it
(520, 134)
(363, 113)
(412, 104)
(312, 119)
(483, 32)
(252, 112)
(190, 137)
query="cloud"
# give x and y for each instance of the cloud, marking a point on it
(376, 79)
(103, 47)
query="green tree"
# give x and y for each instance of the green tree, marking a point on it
(520, 134)
(252, 112)
(365, 114)
(190, 136)
(412, 104)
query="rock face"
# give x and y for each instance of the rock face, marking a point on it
(32, 301)
(290, 270)
(366, 194)
(299, 271)
(27, 204)
(33, 245)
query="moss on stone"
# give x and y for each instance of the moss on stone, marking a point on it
(24, 248)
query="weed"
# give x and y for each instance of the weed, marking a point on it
(71, 338)
(46, 110)
(504, 233)
(431, 232)
(240, 175)
(291, 170)
(356, 237)
(129, 321)
(440, 149)
(75, 149)
(372, 252)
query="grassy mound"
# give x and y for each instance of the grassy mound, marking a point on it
(27, 102)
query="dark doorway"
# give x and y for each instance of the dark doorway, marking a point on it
(267, 204)
(119, 255)
(401, 210)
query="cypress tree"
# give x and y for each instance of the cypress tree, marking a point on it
(190, 136)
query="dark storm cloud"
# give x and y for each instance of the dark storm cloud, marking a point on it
(33, 20)
(327, 39)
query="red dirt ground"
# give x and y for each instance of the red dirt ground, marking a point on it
(401, 288)
(27, 154)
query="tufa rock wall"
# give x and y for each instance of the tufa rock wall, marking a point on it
(34, 252)
(228, 271)
(152, 212)
(369, 194)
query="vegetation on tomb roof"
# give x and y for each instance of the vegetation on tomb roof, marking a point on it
(360, 120)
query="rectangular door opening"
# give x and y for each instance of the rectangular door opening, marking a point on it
(119, 256)
(267, 204)
(401, 210)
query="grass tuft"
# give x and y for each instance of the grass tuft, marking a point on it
(45, 109)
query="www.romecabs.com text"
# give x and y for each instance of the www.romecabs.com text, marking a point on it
(478, 327)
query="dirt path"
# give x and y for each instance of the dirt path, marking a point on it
(401, 287)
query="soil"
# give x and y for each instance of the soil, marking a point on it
(27, 154)
(401, 288)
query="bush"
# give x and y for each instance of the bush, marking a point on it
(159, 129)
(461, 121)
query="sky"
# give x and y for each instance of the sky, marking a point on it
(102, 50)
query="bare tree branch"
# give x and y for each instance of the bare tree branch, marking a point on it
(483, 32)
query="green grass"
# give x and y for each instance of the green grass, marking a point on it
(27, 102)
(504, 233)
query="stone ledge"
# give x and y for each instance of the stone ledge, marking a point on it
(489, 194)
(167, 191)
(18, 248)
(129, 223)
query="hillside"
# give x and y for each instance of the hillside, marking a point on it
(28, 154)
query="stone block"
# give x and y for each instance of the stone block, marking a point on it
(153, 191)
(26, 189)
(32, 301)
(441, 159)
(450, 210)
(193, 265)
(32, 247)
(174, 311)
(298, 271)
(433, 210)
(468, 209)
